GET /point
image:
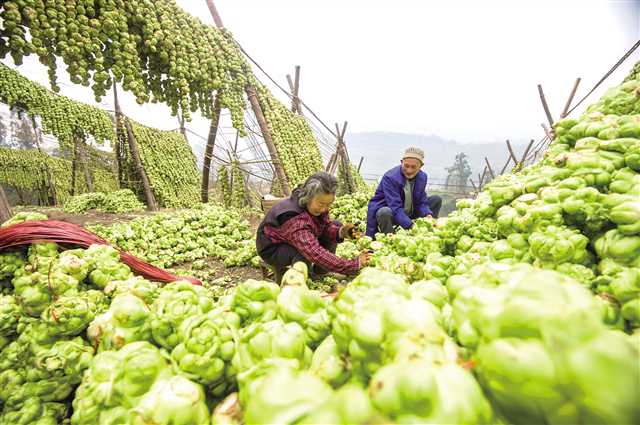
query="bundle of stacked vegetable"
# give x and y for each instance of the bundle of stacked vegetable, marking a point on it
(167, 239)
(120, 201)
(22, 217)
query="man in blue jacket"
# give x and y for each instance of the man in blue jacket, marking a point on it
(401, 196)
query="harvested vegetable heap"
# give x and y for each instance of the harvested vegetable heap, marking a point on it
(521, 307)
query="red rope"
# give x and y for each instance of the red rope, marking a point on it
(30, 232)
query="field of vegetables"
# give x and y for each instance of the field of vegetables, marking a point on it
(520, 307)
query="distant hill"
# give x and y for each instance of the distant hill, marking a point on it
(383, 150)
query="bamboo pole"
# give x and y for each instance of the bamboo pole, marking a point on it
(524, 155)
(208, 153)
(215, 14)
(183, 131)
(266, 134)
(329, 166)
(85, 166)
(5, 208)
(511, 152)
(74, 166)
(547, 132)
(481, 178)
(505, 166)
(344, 157)
(570, 99)
(257, 110)
(296, 85)
(493, 176)
(133, 147)
(545, 105)
(52, 187)
(475, 188)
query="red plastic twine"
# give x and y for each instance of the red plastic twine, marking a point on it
(30, 232)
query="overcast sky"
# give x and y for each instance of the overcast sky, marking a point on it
(464, 70)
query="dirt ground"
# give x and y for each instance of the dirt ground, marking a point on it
(88, 218)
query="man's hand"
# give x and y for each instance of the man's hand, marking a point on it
(347, 231)
(364, 258)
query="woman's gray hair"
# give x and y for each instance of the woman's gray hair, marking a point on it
(318, 183)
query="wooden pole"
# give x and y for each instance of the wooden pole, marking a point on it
(524, 155)
(545, 106)
(52, 187)
(505, 166)
(266, 134)
(568, 104)
(215, 14)
(296, 85)
(475, 188)
(257, 110)
(294, 104)
(208, 152)
(360, 163)
(183, 130)
(511, 152)
(74, 166)
(5, 208)
(330, 163)
(493, 176)
(82, 157)
(481, 177)
(133, 147)
(344, 157)
(546, 131)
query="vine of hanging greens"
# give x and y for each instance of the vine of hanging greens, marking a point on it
(27, 170)
(293, 138)
(156, 50)
(238, 192)
(169, 163)
(225, 187)
(60, 116)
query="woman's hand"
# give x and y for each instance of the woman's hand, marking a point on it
(364, 258)
(347, 231)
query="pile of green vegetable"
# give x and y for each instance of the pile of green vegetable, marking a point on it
(170, 238)
(120, 201)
